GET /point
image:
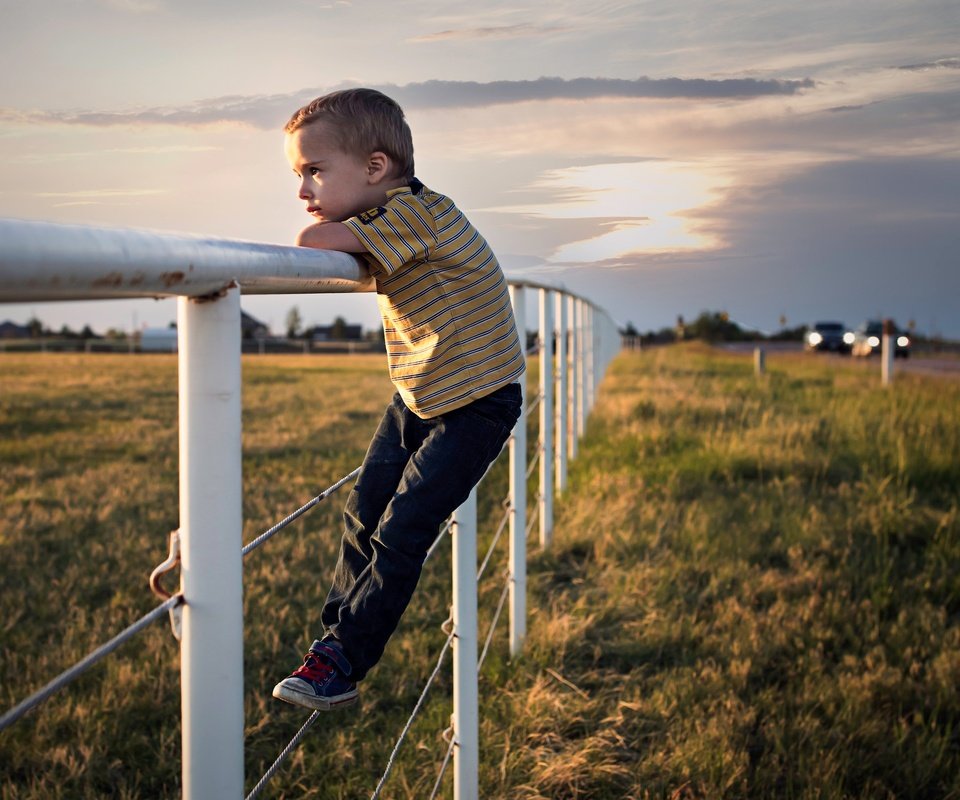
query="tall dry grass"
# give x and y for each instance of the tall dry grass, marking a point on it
(753, 589)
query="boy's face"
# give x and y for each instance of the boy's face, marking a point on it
(335, 185)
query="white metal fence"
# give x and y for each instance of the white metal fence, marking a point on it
(576, 340)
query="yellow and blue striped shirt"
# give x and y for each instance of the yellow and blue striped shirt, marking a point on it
(448, 323)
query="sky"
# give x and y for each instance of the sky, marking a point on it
(785, 162)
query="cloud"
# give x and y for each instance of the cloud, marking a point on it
(491, 32)
(270, 111)
(857, 107)
(940, 63)
(852, 240)
(160, 150)
(619, 208)
(132, 6)
(92, 194)
(96, 197)
(463, 94)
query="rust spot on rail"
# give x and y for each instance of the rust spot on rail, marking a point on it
(172, 278)
(110, 279)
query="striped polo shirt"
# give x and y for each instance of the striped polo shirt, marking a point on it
(447, 319)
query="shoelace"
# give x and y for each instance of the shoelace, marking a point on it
(314, 669)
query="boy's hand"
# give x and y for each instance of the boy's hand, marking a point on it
(330, 236)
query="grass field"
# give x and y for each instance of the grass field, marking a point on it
(753, 591)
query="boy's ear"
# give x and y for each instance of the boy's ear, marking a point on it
(378, 166)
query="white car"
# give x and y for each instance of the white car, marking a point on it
(868, 339)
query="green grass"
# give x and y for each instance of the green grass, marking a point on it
(753, 591)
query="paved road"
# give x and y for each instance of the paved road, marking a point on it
(917, 364)
(942, 367)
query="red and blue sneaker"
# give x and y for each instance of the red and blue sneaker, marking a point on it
(322, 682)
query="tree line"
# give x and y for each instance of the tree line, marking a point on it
(713, 326)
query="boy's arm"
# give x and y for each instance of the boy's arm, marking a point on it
(330, 236)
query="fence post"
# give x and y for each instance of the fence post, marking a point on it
(466, 725)
(518, 498)
(211, 522)
(546, 418)
(759, 361)
(561, 394)
(576, 423)
(590, 332)
(887, 350)
(571, 432)
(582, 408)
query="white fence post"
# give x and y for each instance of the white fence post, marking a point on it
(518, 498)
(759, 361)
(561, 394)
(888, 348)
(211, 522)
(582, 408)
(591, 359)
(546, 418)
(466, 725)
(575, 376)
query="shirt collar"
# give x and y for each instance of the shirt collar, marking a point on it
(414, 187)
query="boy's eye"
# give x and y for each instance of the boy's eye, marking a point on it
(314, 171)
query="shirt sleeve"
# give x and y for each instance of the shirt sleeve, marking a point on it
(399, 233)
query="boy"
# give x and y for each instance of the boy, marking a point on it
(454, 357)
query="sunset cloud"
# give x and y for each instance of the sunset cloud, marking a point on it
(270, 111)
(668, 158)
(97, 194)
(131, 6)
(941, 63)
(518, 31)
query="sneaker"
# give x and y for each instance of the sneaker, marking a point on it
(321, 683)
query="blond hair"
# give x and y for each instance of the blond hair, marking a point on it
(362, 121)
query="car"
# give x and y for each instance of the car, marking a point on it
(827, 336)
(868, 339)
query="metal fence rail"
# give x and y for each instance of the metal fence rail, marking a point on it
(576, 340)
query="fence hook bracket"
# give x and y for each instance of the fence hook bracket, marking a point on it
(171, 562)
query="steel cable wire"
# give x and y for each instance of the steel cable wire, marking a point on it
(534, 402)
(413, 715)
(292, 744)
(74, 672)
(496, 537)
(306, 726)
(436, 542)
(530, 524)
(534, 461)
(71, 674)
(496, 618)
(483, 655)
(443, 768)
(420, 700)
(298, 513)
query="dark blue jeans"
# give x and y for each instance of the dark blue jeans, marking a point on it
(415, 474)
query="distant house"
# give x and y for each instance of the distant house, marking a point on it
(10, 330)
(337, 333)
(164, 340)
(252, 328)
(158, 340)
